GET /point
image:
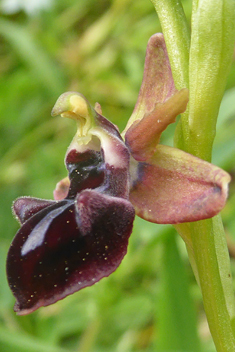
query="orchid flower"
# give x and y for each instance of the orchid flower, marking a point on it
(72, 242)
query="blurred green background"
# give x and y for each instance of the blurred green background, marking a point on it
(152, 302)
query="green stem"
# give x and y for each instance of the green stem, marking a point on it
(212, 42)
(216, 288)
(177, 37)
(211, 52)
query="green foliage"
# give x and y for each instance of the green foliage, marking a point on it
(151, 303)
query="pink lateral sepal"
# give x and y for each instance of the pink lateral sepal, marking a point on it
(175, 187)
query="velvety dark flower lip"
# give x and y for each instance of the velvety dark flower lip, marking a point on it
(69, 243)
(59, 257)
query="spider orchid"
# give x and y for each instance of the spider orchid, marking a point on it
(72, 242)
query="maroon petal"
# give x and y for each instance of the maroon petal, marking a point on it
(25, 207)
(52, 257)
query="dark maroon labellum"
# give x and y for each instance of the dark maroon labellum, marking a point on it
(53, 257)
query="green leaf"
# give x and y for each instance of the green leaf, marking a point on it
(177, 320)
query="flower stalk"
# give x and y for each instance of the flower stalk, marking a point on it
(209, 57)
